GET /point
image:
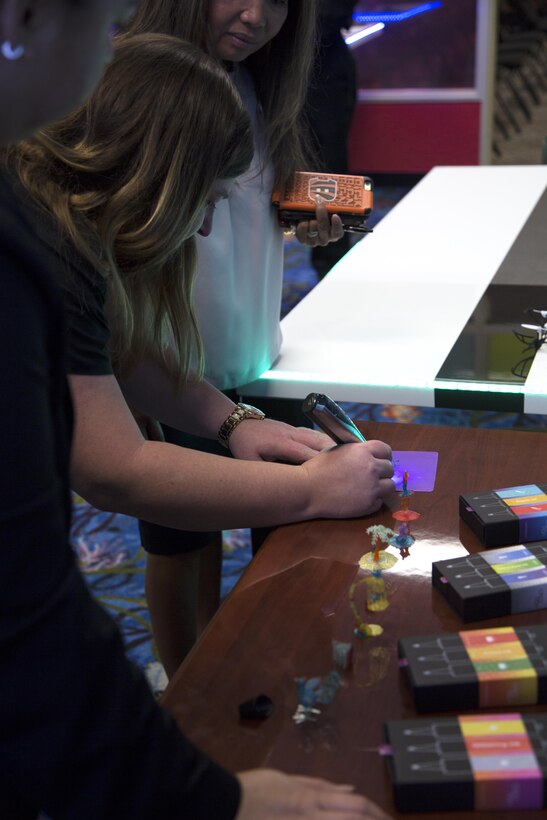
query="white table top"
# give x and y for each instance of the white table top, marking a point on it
(380, 325)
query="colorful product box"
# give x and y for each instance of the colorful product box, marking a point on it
(495, 583)
(478, 668)
(473, 762)
(514, 515)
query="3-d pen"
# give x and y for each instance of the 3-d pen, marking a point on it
(330, 418)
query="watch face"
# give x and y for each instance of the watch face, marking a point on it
(251, 408)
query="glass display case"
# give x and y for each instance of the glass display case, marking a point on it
(425, 73)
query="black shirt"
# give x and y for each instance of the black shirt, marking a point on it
(81, 736)
(84, 296)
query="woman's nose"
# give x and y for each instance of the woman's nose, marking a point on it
(254, 12)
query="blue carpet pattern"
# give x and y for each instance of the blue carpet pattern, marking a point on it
(108, 545)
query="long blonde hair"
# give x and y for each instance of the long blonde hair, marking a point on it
(280, 70)
(125, 179)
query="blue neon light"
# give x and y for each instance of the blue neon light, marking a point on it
(395, 16)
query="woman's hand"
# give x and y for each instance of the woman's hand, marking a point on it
(268, 794)
(321, 230)
(270, 440)
(350, 480)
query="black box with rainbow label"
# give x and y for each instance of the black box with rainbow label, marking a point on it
(513, 515)
(494, 583)
(477, 668)
(488, 762)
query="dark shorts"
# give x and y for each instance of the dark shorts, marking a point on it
(165, 540)
(160, 540)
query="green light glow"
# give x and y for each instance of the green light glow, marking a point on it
(321, 378)
(480, 387)
(471, 387)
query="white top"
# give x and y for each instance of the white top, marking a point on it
(380, 325)
(240, 272)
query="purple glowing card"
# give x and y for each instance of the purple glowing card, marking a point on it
(421, 467)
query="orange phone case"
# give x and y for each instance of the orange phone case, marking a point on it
(351, 197)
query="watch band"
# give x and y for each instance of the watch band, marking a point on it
(238, 414)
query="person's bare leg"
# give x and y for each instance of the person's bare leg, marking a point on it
(210, 573)
(171, 585)
(182, 592)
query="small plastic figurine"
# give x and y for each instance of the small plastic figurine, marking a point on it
(314, 691)
(374, 561)
(376, 592)
(404, 540)
(380, 535)
(405, 492)
(361, 629)
(342, 654)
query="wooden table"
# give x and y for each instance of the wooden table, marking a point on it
(279, 621)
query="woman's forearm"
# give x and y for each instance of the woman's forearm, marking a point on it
(116, 469)
(191, 490)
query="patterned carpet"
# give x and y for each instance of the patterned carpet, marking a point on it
(108, 546)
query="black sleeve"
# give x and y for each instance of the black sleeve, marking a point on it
(84, 294)
(81, 736)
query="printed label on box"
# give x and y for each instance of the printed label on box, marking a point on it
(507, 515)
(505, 768)
(484, 762)
(504, 671)
(495, 582)
(477, 668)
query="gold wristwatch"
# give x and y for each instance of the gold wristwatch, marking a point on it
(238, 414)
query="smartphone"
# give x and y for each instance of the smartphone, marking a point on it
(351, 197)
(324, 412)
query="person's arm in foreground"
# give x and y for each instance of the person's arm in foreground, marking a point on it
(82, 736)
(115, 468)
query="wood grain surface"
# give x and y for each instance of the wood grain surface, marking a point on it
(280, 619)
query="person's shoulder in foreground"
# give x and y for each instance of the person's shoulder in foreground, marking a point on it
(81, 733)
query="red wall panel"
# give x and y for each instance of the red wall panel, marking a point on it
(413, 137)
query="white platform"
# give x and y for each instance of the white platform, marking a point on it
(380, 325)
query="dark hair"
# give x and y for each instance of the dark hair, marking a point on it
(280, 71)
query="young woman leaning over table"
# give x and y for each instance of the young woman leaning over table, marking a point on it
(267, 49)
(89, 697)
